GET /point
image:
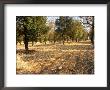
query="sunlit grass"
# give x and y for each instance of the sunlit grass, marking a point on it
(70, 58)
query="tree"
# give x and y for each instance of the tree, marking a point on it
(30, 28)
(51, 31)
(19, 33)
(90, 21)
(63, 25)
(68, 28)
(78, 30)
(21, 29)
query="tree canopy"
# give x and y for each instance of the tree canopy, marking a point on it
(65, 28)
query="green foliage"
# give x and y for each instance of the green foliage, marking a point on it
(89, 21)
(68, 28)
(30, 27)
(35, 28)
(78, 30)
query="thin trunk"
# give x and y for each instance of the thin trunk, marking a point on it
(20, 42)
(77, 39)
(54, 41)
(32, 43)
(63, 42)
(45, 42)
(92, 33)
(26, 45)
(72, 39)
(25, 39)
(67, 40)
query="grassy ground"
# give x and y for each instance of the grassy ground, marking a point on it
(71, 58)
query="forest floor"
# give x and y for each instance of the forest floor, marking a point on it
(70, 58)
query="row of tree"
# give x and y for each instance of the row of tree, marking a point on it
(35, 28)
(70, 29)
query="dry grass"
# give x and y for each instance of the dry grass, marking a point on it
(73, 58)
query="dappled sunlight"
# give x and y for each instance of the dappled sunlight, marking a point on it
(55, 45)
(55, 59)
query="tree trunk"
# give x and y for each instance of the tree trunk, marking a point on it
(77, 40)
(16, 42)
(54, 41)
(72, 39)
(63, 42)
(25, 39)
(32, 43)
(20, 42)
(67, 39)
(45, 42)
(26, 45)
(92, 34)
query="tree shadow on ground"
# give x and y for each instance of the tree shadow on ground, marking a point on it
(23, 51)
(76, 47)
